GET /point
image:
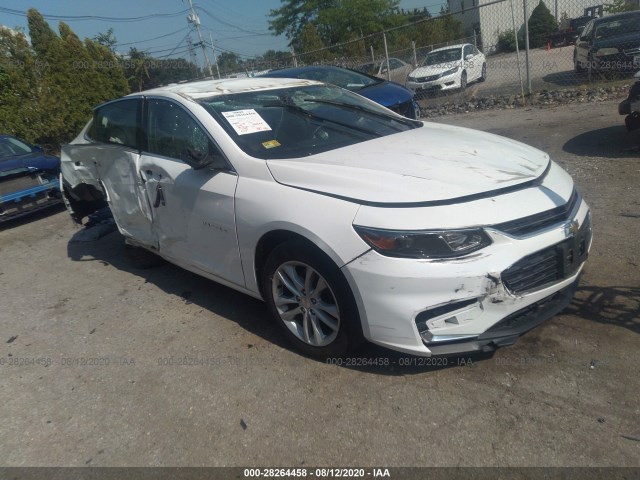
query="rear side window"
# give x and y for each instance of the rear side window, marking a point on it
(118, 123)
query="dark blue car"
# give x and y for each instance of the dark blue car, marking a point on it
(388, 94)
(29, 179)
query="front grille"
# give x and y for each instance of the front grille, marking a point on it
(534, 271)
(540, 221)
(551, 264)
(428, 79)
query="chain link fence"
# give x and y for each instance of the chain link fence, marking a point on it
(514, 48)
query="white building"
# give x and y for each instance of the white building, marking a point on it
(490, 18)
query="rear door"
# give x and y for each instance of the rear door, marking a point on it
(114, 155)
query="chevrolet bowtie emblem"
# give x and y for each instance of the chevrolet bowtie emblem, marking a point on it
(571, 229)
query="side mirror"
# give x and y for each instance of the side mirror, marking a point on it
(637, 74)
(38, 148)
(468, 57)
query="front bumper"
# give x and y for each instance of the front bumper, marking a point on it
(450, 82)
(470, 304)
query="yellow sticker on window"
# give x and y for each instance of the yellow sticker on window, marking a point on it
(271, 144)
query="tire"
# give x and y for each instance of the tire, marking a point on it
(463, 80)
(483, 75)
(318, 323)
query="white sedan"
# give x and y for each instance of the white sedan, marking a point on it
(448, 68)
(350, 221)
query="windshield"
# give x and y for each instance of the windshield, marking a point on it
(443, 56)
(10, 147)
(620, 26)
(302, 121)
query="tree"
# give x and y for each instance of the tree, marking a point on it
(541, 26)
(619, 6)
(47, 91)
(106, 39)
(336, 21)
(311, 42)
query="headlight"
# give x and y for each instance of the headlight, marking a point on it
(424, 243)
(450, 72)
(606, 51)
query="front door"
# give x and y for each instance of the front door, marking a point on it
(193, 210)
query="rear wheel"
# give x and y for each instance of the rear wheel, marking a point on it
(311, 301)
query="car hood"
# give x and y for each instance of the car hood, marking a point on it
(437, 69)
(29, 161)
(432, 164)
(387, 94)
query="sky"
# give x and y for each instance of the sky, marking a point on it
(239, 26)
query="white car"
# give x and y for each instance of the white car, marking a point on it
(350, 221)
(448, 68)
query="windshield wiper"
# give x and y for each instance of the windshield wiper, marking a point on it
(307, 113)
(351, 106)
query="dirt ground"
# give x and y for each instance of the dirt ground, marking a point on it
(105, 365)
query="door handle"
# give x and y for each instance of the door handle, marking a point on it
(159, 197)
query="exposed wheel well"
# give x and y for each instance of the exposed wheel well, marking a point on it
(269, 242)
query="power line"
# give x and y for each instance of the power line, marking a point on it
(149, 39)
(20, 13)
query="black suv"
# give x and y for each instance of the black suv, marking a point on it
(609, 43)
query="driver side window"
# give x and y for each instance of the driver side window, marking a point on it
(173, 133)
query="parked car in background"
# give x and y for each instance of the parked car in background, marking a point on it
(569, 31)
(28, 178)
(631, 106)
(398, 70)
(350, 221)
(609, 43)
(448, 68)
(388, 94)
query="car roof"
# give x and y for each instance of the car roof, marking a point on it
(211, 88)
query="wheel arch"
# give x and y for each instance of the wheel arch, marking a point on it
(273, 238)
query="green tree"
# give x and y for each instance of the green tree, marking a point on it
(18, 87)
(336, 21)
(106, 39)
(311, 42)
(619, 6)
(541, 26)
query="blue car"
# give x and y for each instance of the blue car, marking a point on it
(29, 179)
(388, 94)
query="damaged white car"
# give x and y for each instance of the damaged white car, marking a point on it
(350, 221)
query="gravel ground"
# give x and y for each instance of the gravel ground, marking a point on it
(89, 353)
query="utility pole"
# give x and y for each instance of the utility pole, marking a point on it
(213, 52)
(195, 20)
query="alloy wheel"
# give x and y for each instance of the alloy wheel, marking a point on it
(305, 303)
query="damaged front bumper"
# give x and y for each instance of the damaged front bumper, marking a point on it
(475, 303)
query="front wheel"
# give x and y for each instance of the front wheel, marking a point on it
(311, 301)
(463, 80)
(483, 74)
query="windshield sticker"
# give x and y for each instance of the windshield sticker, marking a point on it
(246, 121)
(271, 144)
